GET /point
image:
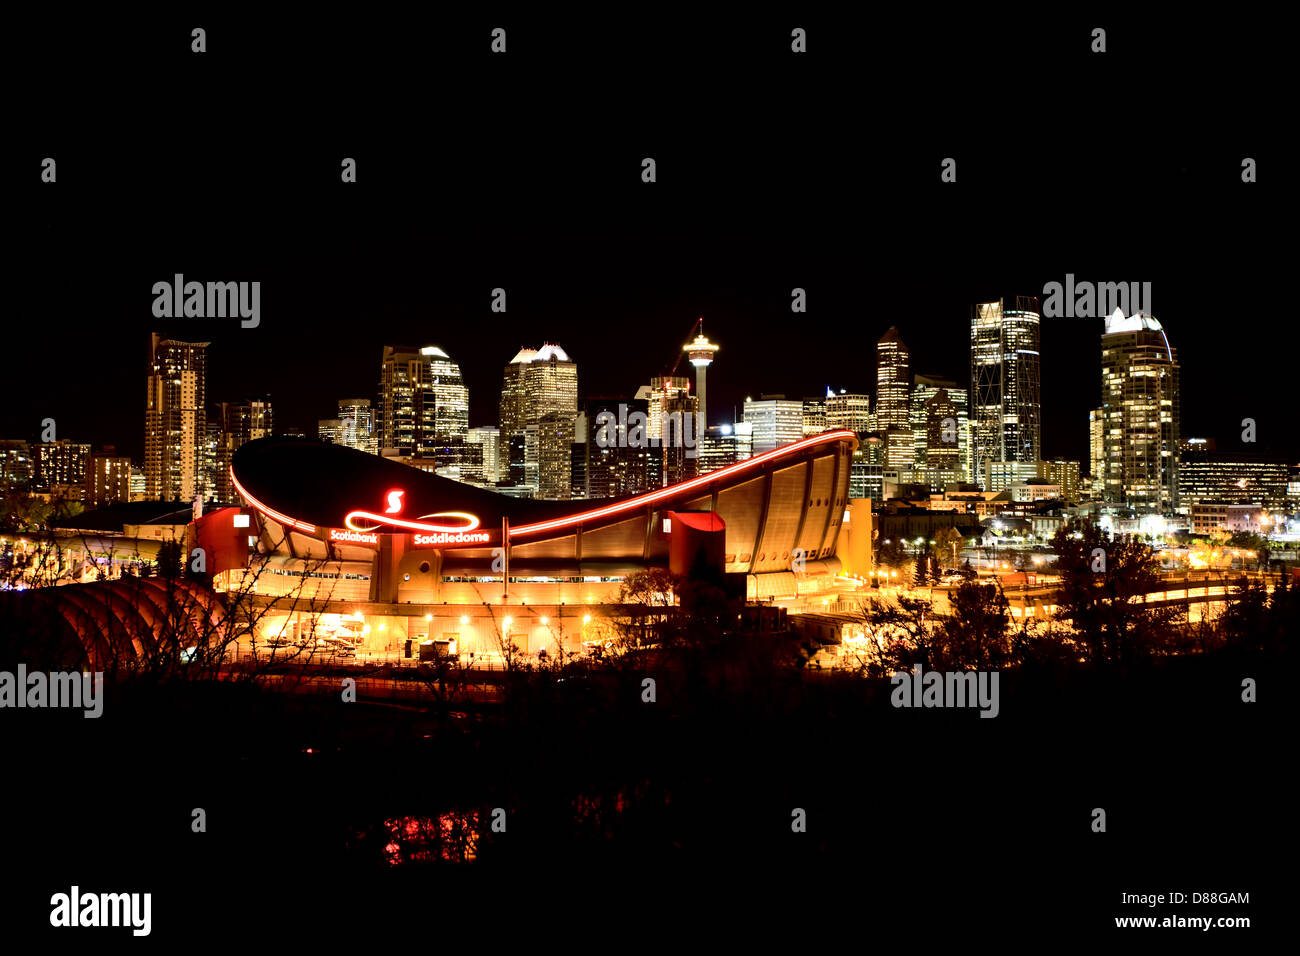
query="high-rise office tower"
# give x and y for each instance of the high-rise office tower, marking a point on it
(725, 445)
(700, 352)
(776, 420)
(487, 436)
(609, 460)
(893, 382)
(924, 389)
(1006, 401)
(673, 420)
(664, 394)
(175, 422)
(1140, 403)
(848, 410)
(357, 424)
(866, 473)
(423, 404)
(539, 401)
(942, 432)
(240, 423)
(210, 458)
(1097, 452)
(330, 430)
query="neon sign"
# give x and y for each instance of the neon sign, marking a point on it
(467, 521)
(353, 537)
(453, 537)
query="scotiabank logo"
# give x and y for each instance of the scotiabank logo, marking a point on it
(453, 537)
(353, 537)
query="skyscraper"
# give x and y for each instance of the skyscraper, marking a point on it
(240, 423)
(175, 421)
(1006, 400)
(423, 404)
(357, 424)
(1097, 452)
(925, 424)
(1140, 404)
(893, 382)
(486, 436)
(539, 401)
(607, 463)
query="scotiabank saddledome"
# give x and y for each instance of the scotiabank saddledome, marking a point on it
(399, 534)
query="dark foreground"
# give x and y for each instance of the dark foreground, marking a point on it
(630, 822)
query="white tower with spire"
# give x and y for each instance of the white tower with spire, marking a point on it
(700, 352)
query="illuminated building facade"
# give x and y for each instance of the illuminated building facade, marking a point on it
(775, 421)
(814, 415)
(175, 418)
(1140, 404)
(108, 478)
(1097, 451)
(17, 465)
(539, 401)
(848, 411)
(893, 382)
(61, 463)
(1234, 478)
(724, 445)
(1209, 517)
(487, 438)
(612, 456)
(1064, 474)
(239, 423)
(423, 404)
(927, 419)
(330, 430)
(357, 424)
(1006, 411)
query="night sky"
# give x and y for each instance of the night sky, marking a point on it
(772, 173)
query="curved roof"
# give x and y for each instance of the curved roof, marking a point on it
(311, 485)
(109, 624)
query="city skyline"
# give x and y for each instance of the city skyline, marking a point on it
(752, 382)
